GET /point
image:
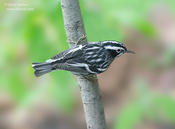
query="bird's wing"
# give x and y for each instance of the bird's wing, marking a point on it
(67, 55)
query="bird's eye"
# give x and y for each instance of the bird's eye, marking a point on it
(119, 50)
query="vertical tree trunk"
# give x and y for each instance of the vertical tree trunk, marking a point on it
(89, 89)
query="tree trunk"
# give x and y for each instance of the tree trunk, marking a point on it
(89, 89)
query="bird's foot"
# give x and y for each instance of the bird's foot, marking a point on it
(81, 39)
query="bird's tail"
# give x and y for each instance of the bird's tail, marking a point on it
(42, 68)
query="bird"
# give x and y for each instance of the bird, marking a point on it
(83, 59)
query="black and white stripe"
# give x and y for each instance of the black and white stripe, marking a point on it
(92, 58)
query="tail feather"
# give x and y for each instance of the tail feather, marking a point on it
(39, 73)
(42, 68)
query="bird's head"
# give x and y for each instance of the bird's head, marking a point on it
(116, 48)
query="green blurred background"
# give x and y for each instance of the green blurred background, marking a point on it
(138, 90)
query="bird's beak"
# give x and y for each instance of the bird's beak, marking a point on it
(129, 51)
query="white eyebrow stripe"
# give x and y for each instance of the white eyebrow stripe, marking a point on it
(114, 42)
(109, 41)
(113, 47)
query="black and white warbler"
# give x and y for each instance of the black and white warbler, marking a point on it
(92, 58)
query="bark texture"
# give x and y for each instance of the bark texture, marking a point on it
(89, 89)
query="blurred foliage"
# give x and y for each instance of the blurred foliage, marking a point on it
(30, 36)
(147, 105)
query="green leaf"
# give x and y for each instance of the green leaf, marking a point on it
(130, 116)
(166, 105)
(62, 90)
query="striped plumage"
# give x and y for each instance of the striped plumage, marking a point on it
(92, 58)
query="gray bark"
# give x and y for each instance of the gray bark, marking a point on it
(89, 89)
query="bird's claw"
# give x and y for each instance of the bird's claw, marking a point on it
(79, 41)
